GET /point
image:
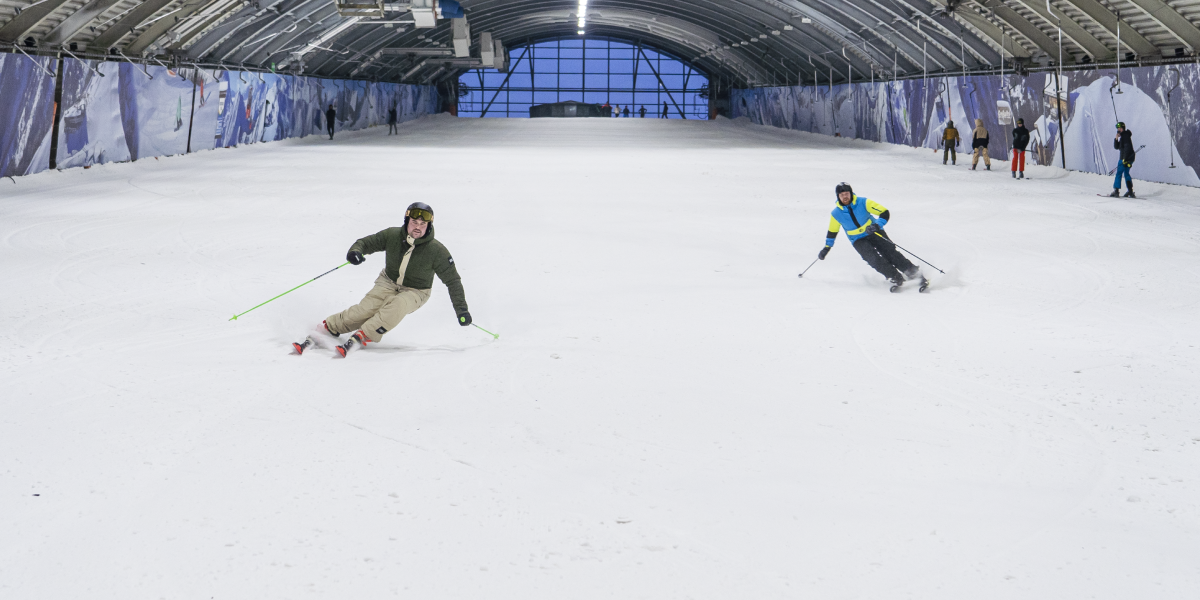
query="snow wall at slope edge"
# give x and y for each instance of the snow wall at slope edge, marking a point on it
(117, 111)
(914, 113)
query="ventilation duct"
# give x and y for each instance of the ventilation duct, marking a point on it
(487, 51)
(462, 37)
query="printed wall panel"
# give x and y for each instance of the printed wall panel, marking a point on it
(1159, 105)
(26, 113)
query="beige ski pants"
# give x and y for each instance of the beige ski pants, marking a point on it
(975, 157)
(381, 310)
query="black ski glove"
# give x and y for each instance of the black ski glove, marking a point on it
(464, 318)
(355, 257)
(872, 228)
(824, 252)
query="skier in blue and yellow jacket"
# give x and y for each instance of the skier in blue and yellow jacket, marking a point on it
(863, 219)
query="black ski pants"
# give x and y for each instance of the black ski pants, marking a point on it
(949, 154)
(882, 255)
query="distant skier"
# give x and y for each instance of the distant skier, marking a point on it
(664, 111)
(404, 284)
(950, 135)
(979, 144)
(617, 112)
(625, 112)
(642, 112)
(864, 219)
(392, 121)
(1020, 142)
(1124, 143)
(329, 116)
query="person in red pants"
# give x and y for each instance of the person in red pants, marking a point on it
(1020, 141)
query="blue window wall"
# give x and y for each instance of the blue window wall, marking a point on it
(594, 70)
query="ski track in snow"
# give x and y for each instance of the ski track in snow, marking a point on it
(669, 411)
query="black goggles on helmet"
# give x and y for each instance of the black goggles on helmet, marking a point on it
(419, 213)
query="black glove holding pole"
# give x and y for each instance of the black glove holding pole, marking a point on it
(871, 228)
(355, 257)
(824, 252)
(464, 318)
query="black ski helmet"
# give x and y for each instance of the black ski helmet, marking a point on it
(842, 187)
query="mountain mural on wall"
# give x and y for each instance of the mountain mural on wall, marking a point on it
(116, 111)
(1160, 105)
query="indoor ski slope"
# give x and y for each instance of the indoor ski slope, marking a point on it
(669, 412)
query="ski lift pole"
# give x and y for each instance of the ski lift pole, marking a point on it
(1171, 134)
(235, 317)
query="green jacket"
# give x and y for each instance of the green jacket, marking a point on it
(429, 257)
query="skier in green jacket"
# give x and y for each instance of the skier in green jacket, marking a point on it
(404, 284)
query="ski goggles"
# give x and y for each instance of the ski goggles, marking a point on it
(419, 213)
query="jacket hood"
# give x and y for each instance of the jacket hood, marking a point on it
(979, 122)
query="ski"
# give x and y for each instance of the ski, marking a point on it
(924, 285)
(895, 288)
(302, 346)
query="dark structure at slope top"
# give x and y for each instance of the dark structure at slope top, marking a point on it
(570, 108)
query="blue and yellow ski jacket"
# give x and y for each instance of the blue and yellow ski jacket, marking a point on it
(855, 217)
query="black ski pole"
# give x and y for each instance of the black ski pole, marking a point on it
(913, 255)
(807, 268)
(1110, 171)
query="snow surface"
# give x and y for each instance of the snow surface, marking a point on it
(669, 411)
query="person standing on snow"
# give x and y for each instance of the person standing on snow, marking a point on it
(642, 112)
(950, 135)
(863, 220)
(625, 112)
(1124, 143)
(664, 112)
(1020, 142)
(404, 284)
(392, 121)
(979, 144)
(329, 116)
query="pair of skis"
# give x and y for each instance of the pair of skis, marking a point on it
(924, 286)
(342, 349)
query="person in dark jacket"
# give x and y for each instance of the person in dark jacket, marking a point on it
(625, 112)
(1124, 143)
(664, 112)
(413, 257)
(1020, 142)
(392, 121)
(950, 135)
(979, 144)
(329, 116)
(642, 112)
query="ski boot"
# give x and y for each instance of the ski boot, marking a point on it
(302, 346)
(1022, 175)
(1129, 194)
(358, 337)
(1116, 193)
(896, 283)
(924, 284)
(988, 167)
(1014, 174)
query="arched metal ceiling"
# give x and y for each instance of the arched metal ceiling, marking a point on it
(741, 42)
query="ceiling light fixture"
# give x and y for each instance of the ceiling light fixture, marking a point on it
(581, 11)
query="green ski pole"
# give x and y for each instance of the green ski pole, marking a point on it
(495, 336)
(234, 318)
